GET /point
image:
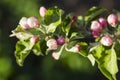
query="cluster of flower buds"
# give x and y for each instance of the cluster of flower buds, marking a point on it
(101, 23)
(53, 44)
(31, 22)
(97, 26)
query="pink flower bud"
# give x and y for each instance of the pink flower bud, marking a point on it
(34, 39)
(56, 55)
(76, 48)
(96, 26)
(103, 22)
(52, 44)
(112, 20)
(106, 41)
(74, 19)
(33, 22)
(42, 11)
(60, 40)
(23, 23)
(95, 34)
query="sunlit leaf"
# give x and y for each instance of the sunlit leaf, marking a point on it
(107, 61)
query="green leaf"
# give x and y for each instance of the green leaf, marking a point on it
(18, 29)
(80, 22)
(117, 50)
(66, 25)
(52, 15)
(43, 46)
(52, 19)
(93, 13)
(35, 31)
(107, 61)
(23, 35)
(83, 50)
(20, 33)
(23, 49)
(92, 59)
(36, 49)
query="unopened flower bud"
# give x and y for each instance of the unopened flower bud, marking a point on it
(56, 55)
(34, 39)
(106, 41)
(42, 11)
(52, 44)
(103, 22)
(33, 22)
(23, 23)
(60, 40)
(96, 26)
(76, 48)
(74, 19)
(95, 34)
(112, 20)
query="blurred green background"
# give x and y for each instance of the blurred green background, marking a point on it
(71, 67)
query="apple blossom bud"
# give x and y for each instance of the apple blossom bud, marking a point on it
(60, 40)
(112, 20)
(103, 22)
(106, 41)
(23, 23)
(33, 22)
(74, 19)
(34, 39)
(52, 44)
(95, 34)
(42, 11)
(76, 48)
(96, 26)
(56, 55)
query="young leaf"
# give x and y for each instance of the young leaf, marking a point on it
(117, 50)
(43, 46)
(92, 59)
(35, 31)
(23, 49)
(36, 49)
(107, 61)
(52, 18)
(93, 13)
